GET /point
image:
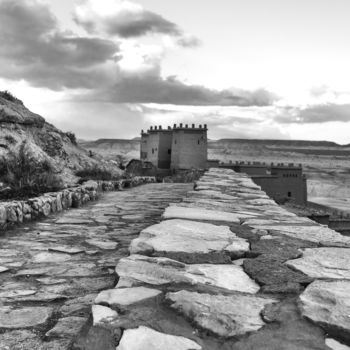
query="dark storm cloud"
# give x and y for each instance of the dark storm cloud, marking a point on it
(315, 114)
(127, 24)
(155, 89)
(33, 48)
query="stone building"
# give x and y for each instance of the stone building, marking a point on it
(178, 148)
(280, 181)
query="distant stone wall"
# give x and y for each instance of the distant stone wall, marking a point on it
(17, 212)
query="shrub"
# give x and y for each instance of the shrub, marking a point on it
(72, 137)
(27, 176)
(95, 173)
(10, 139)
(9, 97)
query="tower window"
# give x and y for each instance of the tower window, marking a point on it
(152, 150)
(169, 151)
(289, 194)
(198, 141)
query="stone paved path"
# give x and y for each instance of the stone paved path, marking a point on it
(51, 271)
(227, 269)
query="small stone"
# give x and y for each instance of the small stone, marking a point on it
(66, 327)
(3, 269)
(23, 317)
(144, 338)
(102, 314)
(126, 296)
(103, 244)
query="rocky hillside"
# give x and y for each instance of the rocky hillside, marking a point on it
(112, 148)
(43, 140)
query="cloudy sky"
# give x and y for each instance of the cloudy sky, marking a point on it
(252, 68)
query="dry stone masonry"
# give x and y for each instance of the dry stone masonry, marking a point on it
(17, 212)
(227, 268)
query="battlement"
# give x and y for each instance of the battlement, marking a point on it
(289, 166)
(181, 126)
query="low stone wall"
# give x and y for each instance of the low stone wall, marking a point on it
(16, 212)
(228, 268)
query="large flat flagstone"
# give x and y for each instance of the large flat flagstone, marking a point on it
(178, 212)
(137, 269)
(224, 316)
(316, 233)
(23, 317)
(144, 338)
(103, 314)
(126, 296)
(327, 303)
(324, 263)
(190, 242)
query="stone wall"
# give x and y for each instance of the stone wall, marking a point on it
(16, 212)
(227, 268)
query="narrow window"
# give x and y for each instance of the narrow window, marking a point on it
(198, 141)
(169, 151)
(152, 150)
(289, 194)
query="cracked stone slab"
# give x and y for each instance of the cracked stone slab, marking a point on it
(126, 296)
(25, 317)
(73, 221)
(225, 316)
(327, 303)
(316, 233)
(190, 242)
(17, 293)
(102, 314)
(144, 338)
(103, 244)
(137, 269)
(47, 257)
(324, 263)
(193, 213)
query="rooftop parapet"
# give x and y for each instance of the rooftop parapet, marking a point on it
(181, 126)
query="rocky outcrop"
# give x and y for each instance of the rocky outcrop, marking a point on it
(44, 141)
